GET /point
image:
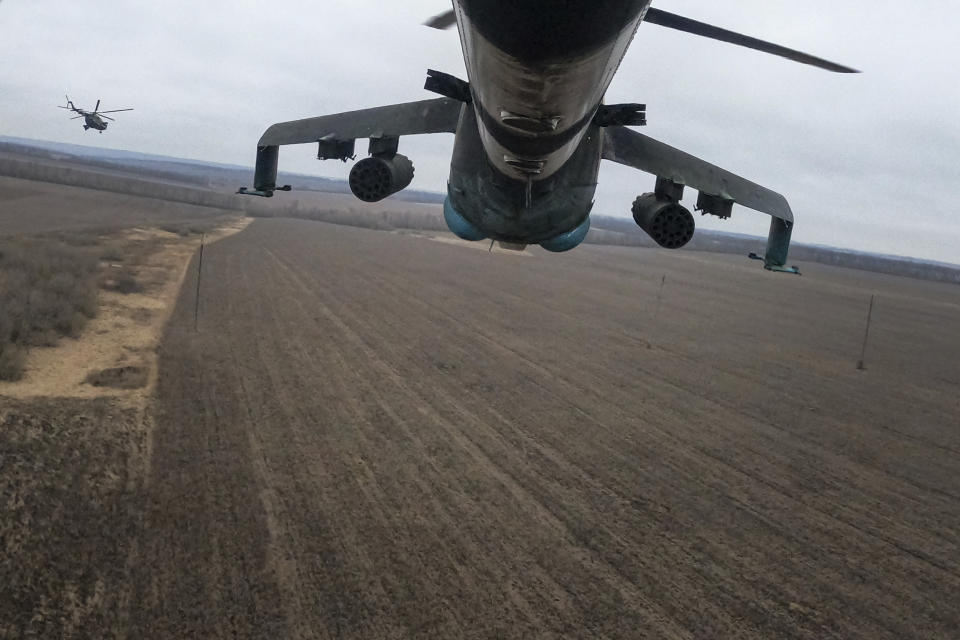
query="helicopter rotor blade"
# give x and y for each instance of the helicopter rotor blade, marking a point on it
(115, 110)
(103, 116)
(75, 117)
(443, 20)
(673, 21)
(97, 108)
(448, 19)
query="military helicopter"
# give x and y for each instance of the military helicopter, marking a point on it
(531, 128)
(92, 119)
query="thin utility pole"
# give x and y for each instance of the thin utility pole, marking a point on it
(656, 309)
(866, 334)
(196, 305)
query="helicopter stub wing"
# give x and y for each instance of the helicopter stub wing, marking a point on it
(439, 115)
(627, 147)
(337, 133)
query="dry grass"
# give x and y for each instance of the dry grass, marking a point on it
(193, 228)
(138, 276)
(48, 289)
(68, 514)
(50, 283)
(70, 467)
(126, 377)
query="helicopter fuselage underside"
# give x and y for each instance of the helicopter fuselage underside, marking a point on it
(93, 122)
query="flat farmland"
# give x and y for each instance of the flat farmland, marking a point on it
(28, 207)
(377, 435)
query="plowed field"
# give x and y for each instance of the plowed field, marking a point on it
(381, 436)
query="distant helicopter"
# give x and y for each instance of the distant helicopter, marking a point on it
(92, 119)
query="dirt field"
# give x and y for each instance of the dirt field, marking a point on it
(74, 432)
(377, 435)
(27, 206)
(125, 332)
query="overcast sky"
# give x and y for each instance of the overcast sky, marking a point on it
(869, 161)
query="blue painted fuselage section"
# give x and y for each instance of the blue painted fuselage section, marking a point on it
(501, 208)
(526, 157)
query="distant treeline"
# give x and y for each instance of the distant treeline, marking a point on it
(31, 170)
(153, 173)
(357, 217)
(621, 231)
(201, 174)
(616, 231)
(605, 229)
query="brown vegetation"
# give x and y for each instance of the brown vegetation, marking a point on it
(605, 230)
(14, 167)
(139, 275)
(47, 290)
(387, 217)
(49, 283)
(71, 242)
(128, 377)
(71, 469)
(30, 207)
(193, 227)
(68, 513)
(328, 201)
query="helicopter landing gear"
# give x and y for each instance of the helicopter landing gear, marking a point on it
(85, 127)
